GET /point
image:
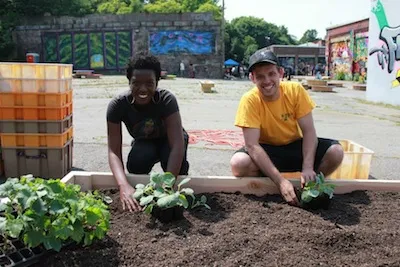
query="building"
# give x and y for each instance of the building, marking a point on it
(106, 42)
(347, 50)
(301, 59)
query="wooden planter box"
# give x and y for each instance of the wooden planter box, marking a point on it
(225, 184)
(361, 87)
(313, 83)
(320, 88)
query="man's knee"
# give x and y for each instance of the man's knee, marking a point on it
(334, 155)
(242, 165)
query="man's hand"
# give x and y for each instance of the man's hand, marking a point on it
(287, 191)
(306, 176)
(127, 200)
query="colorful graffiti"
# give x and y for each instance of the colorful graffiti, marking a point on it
(108, 50)
(190, 42)
(341, 60)
(389, 52)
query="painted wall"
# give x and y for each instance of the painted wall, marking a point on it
(190, 42)
(106, 42)
(383, 84)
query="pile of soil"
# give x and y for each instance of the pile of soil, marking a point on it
(360, 229)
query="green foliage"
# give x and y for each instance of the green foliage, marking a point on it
(341, 76)
(50, 212)
(160, 192)
(211, 7)
(260, 32)
(168, 6)
(315, 189)
(309, 36)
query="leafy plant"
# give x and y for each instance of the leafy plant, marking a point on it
(314, 189)
(160, 192)
(49, 212)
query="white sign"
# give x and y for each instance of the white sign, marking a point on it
(383, 74)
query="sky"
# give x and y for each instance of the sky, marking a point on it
(300, 15)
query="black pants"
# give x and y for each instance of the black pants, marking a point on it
(145, 153)
(289, 158)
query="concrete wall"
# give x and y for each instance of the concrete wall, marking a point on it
(383, 83)
(28, 35)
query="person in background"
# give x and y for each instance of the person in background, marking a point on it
(182, 69)
(278, 128)
(151, 116)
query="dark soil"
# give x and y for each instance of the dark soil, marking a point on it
(359, 229)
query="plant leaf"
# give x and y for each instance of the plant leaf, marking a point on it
(305, 196)
(52, 243)
(138, 194)
(57, 207)
(146, 200)
(203, 199)
(313, 193)
(156, 178)
(93, 215)
(33, 238)
(187, 191)
(159, 192)
(149, 209)
(183, 201)
(184, 181)
(39, 207)
(78, 232)
(15, 227)
(139, 186)
(169, 179)
(168, 201)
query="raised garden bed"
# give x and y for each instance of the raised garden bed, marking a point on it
(322, 88)
(360, 228)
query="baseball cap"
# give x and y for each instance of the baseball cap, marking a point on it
(262, 56)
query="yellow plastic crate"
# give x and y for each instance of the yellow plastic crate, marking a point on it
(8, 85)
(356, 163)
(14, 70)
(36, 99)
(36, 140)
(35, 113)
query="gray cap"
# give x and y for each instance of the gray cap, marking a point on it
(262, 56)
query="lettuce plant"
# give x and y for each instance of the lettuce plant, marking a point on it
(159, 192)
(49, 212)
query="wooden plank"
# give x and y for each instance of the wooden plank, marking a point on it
(361, 87)
(229, 184)
(320, 88)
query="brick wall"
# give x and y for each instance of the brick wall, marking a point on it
(28, 35)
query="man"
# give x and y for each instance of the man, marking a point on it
(151, 116)
(182, 69)
(278, 128)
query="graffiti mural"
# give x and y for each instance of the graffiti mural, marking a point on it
(341, 60)
(95, 50)
(190, 42)
(388, 51)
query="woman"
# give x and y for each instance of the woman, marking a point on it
(151, 116)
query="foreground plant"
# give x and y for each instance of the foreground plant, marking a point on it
(317, 193)
(159, 193)
(49, 212)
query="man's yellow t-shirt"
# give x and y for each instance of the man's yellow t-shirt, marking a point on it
(277, 120)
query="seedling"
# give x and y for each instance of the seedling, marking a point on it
(317, 191)
(160, 193)
(49, 212)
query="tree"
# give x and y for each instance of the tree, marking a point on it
(309, 36)
(210, 7)
(168, 6)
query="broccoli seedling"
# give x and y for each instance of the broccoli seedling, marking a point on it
(159, 192)
(316, 189)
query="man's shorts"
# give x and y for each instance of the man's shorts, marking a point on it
(289, 158)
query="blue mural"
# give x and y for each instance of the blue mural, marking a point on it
(190, 42)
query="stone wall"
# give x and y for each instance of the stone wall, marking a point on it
(29, 35)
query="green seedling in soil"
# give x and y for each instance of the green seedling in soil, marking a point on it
(159, 192)
(317, 190)
(51, 213)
